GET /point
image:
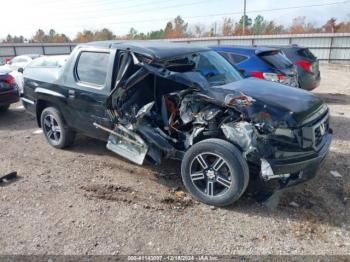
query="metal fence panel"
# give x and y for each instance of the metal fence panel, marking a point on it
(328, 47)
(236, 42)
(22, 50)
(57, 50)
(7, 51)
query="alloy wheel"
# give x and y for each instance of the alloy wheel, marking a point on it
(52, 129)
(210, 174)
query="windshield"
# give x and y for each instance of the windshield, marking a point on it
(210, 64)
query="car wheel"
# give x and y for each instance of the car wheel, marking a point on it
(4, 108)
(215, 172)
(56, 132)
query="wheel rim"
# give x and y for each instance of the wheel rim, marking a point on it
(52, 129)
(210, 174)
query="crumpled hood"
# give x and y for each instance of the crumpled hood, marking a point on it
(283, 103)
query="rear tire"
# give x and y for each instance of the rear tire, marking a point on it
(57, 133)
(4, 108)
(215, 172)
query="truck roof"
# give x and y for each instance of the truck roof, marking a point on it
(154, 49)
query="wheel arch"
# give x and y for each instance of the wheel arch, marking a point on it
(41, 104)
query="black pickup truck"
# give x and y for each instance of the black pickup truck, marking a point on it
(158, 100)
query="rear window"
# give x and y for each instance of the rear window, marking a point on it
(305, 52)
(276, 59)
(233, 58)
(92, 68)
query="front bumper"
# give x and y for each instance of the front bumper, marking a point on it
(305, 166)
(9, 97)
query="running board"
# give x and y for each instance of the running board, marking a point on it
(126, 143)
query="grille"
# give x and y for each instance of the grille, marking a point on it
(313, 135)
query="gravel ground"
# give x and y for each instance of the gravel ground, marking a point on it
(86, 200)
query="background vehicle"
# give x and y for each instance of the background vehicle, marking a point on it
(16, 67)
(21, 61)
(157, 100)
(260, 62)
(40, 66)
(307, 64)
(8, 90)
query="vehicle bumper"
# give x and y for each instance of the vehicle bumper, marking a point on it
(309, 82)
(9, 97)
(304, 168)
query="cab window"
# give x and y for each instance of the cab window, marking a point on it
(92, 68)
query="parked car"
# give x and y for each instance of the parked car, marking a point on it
(309, 74)
(41, 64)
(21, 61)
(156, 100)
(2, 61)
(8, 90)
(16, 66)
(260, 62)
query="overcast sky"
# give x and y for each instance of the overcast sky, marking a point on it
(24, 17)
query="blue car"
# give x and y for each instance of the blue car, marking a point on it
(260, 62)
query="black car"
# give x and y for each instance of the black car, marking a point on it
(9, 93)
(309, 74)
(157, 100)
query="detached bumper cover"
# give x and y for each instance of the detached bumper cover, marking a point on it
(9, 97)
(304, 164)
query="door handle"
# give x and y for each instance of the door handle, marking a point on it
(71, 94)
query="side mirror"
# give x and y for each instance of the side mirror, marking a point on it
(20, 70)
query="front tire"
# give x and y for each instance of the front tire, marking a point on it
(55, 130)
(215, 172)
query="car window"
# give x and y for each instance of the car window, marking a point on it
(305, 52)
(92, 68)
(233, 58)
(216, 69)
(276, 59)
(19, 60)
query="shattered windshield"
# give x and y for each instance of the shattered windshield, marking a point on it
(210, 64)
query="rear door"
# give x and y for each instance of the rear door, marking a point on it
(88, 89)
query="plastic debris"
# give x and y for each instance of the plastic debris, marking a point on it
(293, 204)
(336, 174)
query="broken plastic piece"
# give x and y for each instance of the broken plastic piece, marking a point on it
(267, 172)
(7, 178)
(240, 133)
(126, 143)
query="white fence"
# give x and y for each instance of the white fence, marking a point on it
(11, 50)
(327, 47)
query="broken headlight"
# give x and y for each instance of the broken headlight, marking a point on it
(285, 132)
(240, 101)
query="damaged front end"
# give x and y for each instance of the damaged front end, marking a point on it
(159, 109)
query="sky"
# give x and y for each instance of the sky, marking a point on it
(25, 17)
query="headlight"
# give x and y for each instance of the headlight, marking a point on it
(240, 100)
(285, 132)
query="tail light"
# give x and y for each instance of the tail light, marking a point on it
(269, 76)
(7, 81)
(306, 65)
(10, 80)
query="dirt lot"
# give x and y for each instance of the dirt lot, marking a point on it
(86, 200)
